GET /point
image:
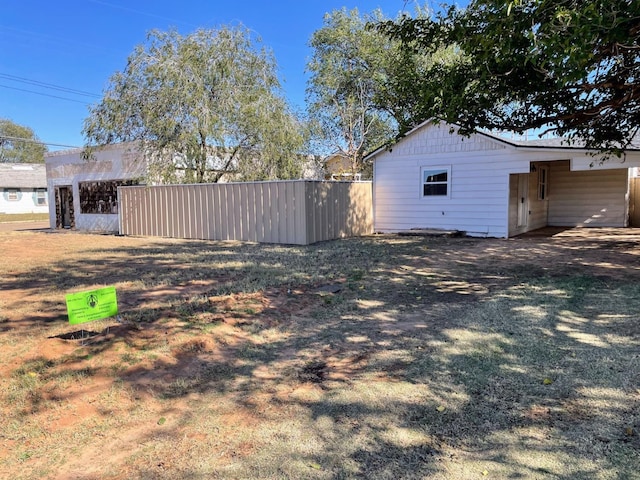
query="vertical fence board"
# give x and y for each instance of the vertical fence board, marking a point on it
(208, 214)
(313, 207)
(140, 213)
(171, 205)
(251, 217)
(217, 213)
(237, 211)
(155, 213)
(280, 204)
(177, 206)
(196, 211)
(225, 206)
(258, 206)
(267, 213)
(162, 218)
(195, 219)
(190, 211)
(634, 202)
(144, 213)
(290, 209)
(302, 238)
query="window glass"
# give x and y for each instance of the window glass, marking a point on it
(435, 182)
(12, 195)
(435, 176)
(41, 197)
(543, 183)
(101, 197)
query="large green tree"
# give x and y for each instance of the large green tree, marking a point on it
(347, 66)
(200, 107)
(571, 67)
(19, 144)
(364, 89)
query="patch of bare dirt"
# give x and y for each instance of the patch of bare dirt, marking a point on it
(116, 382)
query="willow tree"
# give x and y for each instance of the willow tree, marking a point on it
(200, 107)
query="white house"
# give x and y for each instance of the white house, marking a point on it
(484, 185)
(83, 193)
(23, 187)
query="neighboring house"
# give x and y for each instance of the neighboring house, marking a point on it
(312, 167)
(337, 166)
(484, 185)
(23, 187)
(83, 193)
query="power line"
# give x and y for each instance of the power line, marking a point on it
(45, 94)
(38, 142)
(51, 86)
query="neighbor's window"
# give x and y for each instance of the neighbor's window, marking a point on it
(101, 197)
(435, 181)
(12, 195)
(41, 196)
(543, 182)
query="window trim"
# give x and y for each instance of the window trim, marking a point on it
(447, 169)
(543, 183)
(13, 194)
(41, 194)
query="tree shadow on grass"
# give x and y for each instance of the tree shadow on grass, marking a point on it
(437, 357)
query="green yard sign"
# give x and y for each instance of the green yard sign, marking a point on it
(93, 305)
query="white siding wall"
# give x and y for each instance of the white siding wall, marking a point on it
(483, 185)
(587, 198)
(479, 197)
(68, 168)
(27, 202)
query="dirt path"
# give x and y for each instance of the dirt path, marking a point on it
(23, 226)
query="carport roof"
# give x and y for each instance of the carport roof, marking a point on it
(555, 143)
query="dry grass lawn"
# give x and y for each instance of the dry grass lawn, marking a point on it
(377, 358)
(23, 217)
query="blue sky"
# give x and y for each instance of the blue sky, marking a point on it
(79, 44)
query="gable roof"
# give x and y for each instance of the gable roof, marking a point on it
(23, 175)
(559, 143)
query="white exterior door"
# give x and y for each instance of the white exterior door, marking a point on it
(523, 200)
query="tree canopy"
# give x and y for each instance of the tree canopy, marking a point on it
(346, 67)
(364, 89)
(201, 106)
(570, 67)
(19, 144)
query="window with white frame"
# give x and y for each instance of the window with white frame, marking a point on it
(543, 182)
(12, 194)
(436, 181)
(41, 196)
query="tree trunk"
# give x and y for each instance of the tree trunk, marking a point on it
(201, 165)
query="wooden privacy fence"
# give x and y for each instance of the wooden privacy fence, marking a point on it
(634, 202)
(297, 212)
